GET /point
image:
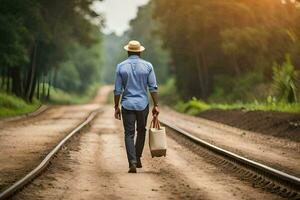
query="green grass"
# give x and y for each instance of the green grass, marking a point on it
(11, 105)
(168, 95)
(58, 96)
(195, 106)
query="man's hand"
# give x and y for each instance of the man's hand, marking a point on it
(155, 111)
(118, 113)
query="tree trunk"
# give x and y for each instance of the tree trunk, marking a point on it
(38, 88)
(31, 94)
(43, 88)
(16, 82)
(49, 85)
(55, 77)
(200, 73)
(8, 80)
(205, 75)
(3, 77)
(24, 82)
(31, 81)
(236, 66)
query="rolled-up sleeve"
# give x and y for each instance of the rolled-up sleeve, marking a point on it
(152, 84)
(118, 82)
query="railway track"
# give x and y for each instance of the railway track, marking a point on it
(18, 185)
(259, 175)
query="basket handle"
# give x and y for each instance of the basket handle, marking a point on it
(155, 123)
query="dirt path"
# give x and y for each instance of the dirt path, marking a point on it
(277, 152)
(94, 166)
(25, 143)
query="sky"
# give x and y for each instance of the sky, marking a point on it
(118, 13)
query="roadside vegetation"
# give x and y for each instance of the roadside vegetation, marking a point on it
(223, 55)
(169, 96)
(195, 106)
(283, 95)
(50, 53)
(61, 97)
(10, 105)
(206, 54)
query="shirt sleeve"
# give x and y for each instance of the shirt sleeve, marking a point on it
(152, 85)
(118, 82)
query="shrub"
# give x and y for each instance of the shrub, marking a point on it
(244, 88)
(11, 105)
(168, 93)
(193, 106)
(285, 79)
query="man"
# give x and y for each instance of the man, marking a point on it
(132, 78)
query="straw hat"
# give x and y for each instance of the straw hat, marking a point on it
(134, 46)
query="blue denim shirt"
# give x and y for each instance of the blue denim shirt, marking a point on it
(132, 78)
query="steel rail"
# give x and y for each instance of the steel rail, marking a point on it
(46, 161)
(293, 180)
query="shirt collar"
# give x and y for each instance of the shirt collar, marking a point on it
(133, 57)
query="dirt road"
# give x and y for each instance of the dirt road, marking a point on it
(25, 143)
(94, 166)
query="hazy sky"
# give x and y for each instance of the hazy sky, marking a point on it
(118, 13)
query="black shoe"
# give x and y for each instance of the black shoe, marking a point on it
(132, 168)
(139, 163)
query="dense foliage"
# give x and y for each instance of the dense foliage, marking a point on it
(226, 49)
(145, 29)
(49, 42)
(113, 53)
(285, 81)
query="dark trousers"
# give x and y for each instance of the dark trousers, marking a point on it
(130, 118)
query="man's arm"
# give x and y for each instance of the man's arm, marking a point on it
(117, 100)
(154, 98)
(117, 93)
(117, 108)
(155, 110)
(153, 91)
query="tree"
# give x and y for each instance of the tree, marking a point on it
(35, 36)
(231, 38)
(113, 53)
(145, 29)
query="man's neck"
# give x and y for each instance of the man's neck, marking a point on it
(133, 56)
